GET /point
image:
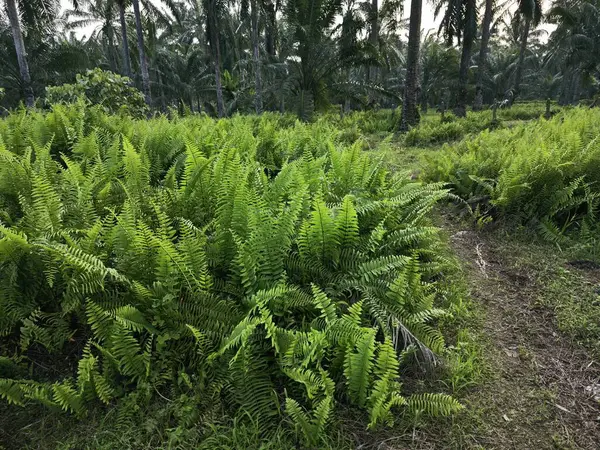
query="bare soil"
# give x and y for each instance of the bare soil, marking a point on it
(544, 392)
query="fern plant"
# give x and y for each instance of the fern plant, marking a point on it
(543, 174)
(149, 256)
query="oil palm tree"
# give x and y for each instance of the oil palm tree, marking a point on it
(460, 21)
(483, 50)
(410, 114)
(469, 32)
(214, 9)
(438, 64)
(310, 26)
(141, 51)
(574, 46)
(531, 11)
(122, 5)
(101, 15)
(258, 103)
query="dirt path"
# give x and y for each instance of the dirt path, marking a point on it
(542, 395)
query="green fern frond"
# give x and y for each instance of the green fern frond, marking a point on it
(433, 404)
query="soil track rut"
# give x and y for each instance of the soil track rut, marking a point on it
(544, 392)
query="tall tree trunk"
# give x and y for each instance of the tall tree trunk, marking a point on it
(142, 52)
(410, 114)
(216, 52)
(258, 103)
(161, 87)
(575, 88)
(564, 89)
(521, 62)
(465, 59)
(124, 40)
(374, 38)
(110, 35)
(13, 17)
(270, 28)
(423, 92)
(483, 50)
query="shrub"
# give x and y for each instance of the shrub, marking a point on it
(114, 93)
(162, 256)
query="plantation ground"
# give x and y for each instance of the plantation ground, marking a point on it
(526, 365)
(542, 386)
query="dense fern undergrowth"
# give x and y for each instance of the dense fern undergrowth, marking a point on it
(254, 265)
(544, 175)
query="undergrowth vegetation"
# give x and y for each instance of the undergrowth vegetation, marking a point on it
(543, 175)
(254, 265)
(435, 128)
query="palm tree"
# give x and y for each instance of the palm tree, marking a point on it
(410, 114)
(270, 9)
(460, 21)
(15, 24)
(212, 24)
(531, 11)
(383, 20)
(438, 64)
(122, 4)
(314, 62)
(373, 36)
(100, 13)
(574, 46)
(483, 50)
(142, 52)
(258, 103)
(469, 31)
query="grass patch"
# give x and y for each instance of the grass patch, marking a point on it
(568, 282)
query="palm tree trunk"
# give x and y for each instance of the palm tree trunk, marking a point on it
(575, 88)
(465, 59)
(410, 114)
(142, 52)
(521, 62)
(161, 87)
(270, 28)
(483, 50)
(374, 38)
(125, 41)
(110, 35)
(258, 104)
(564, 89)
(214, 46)
(13, 17)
